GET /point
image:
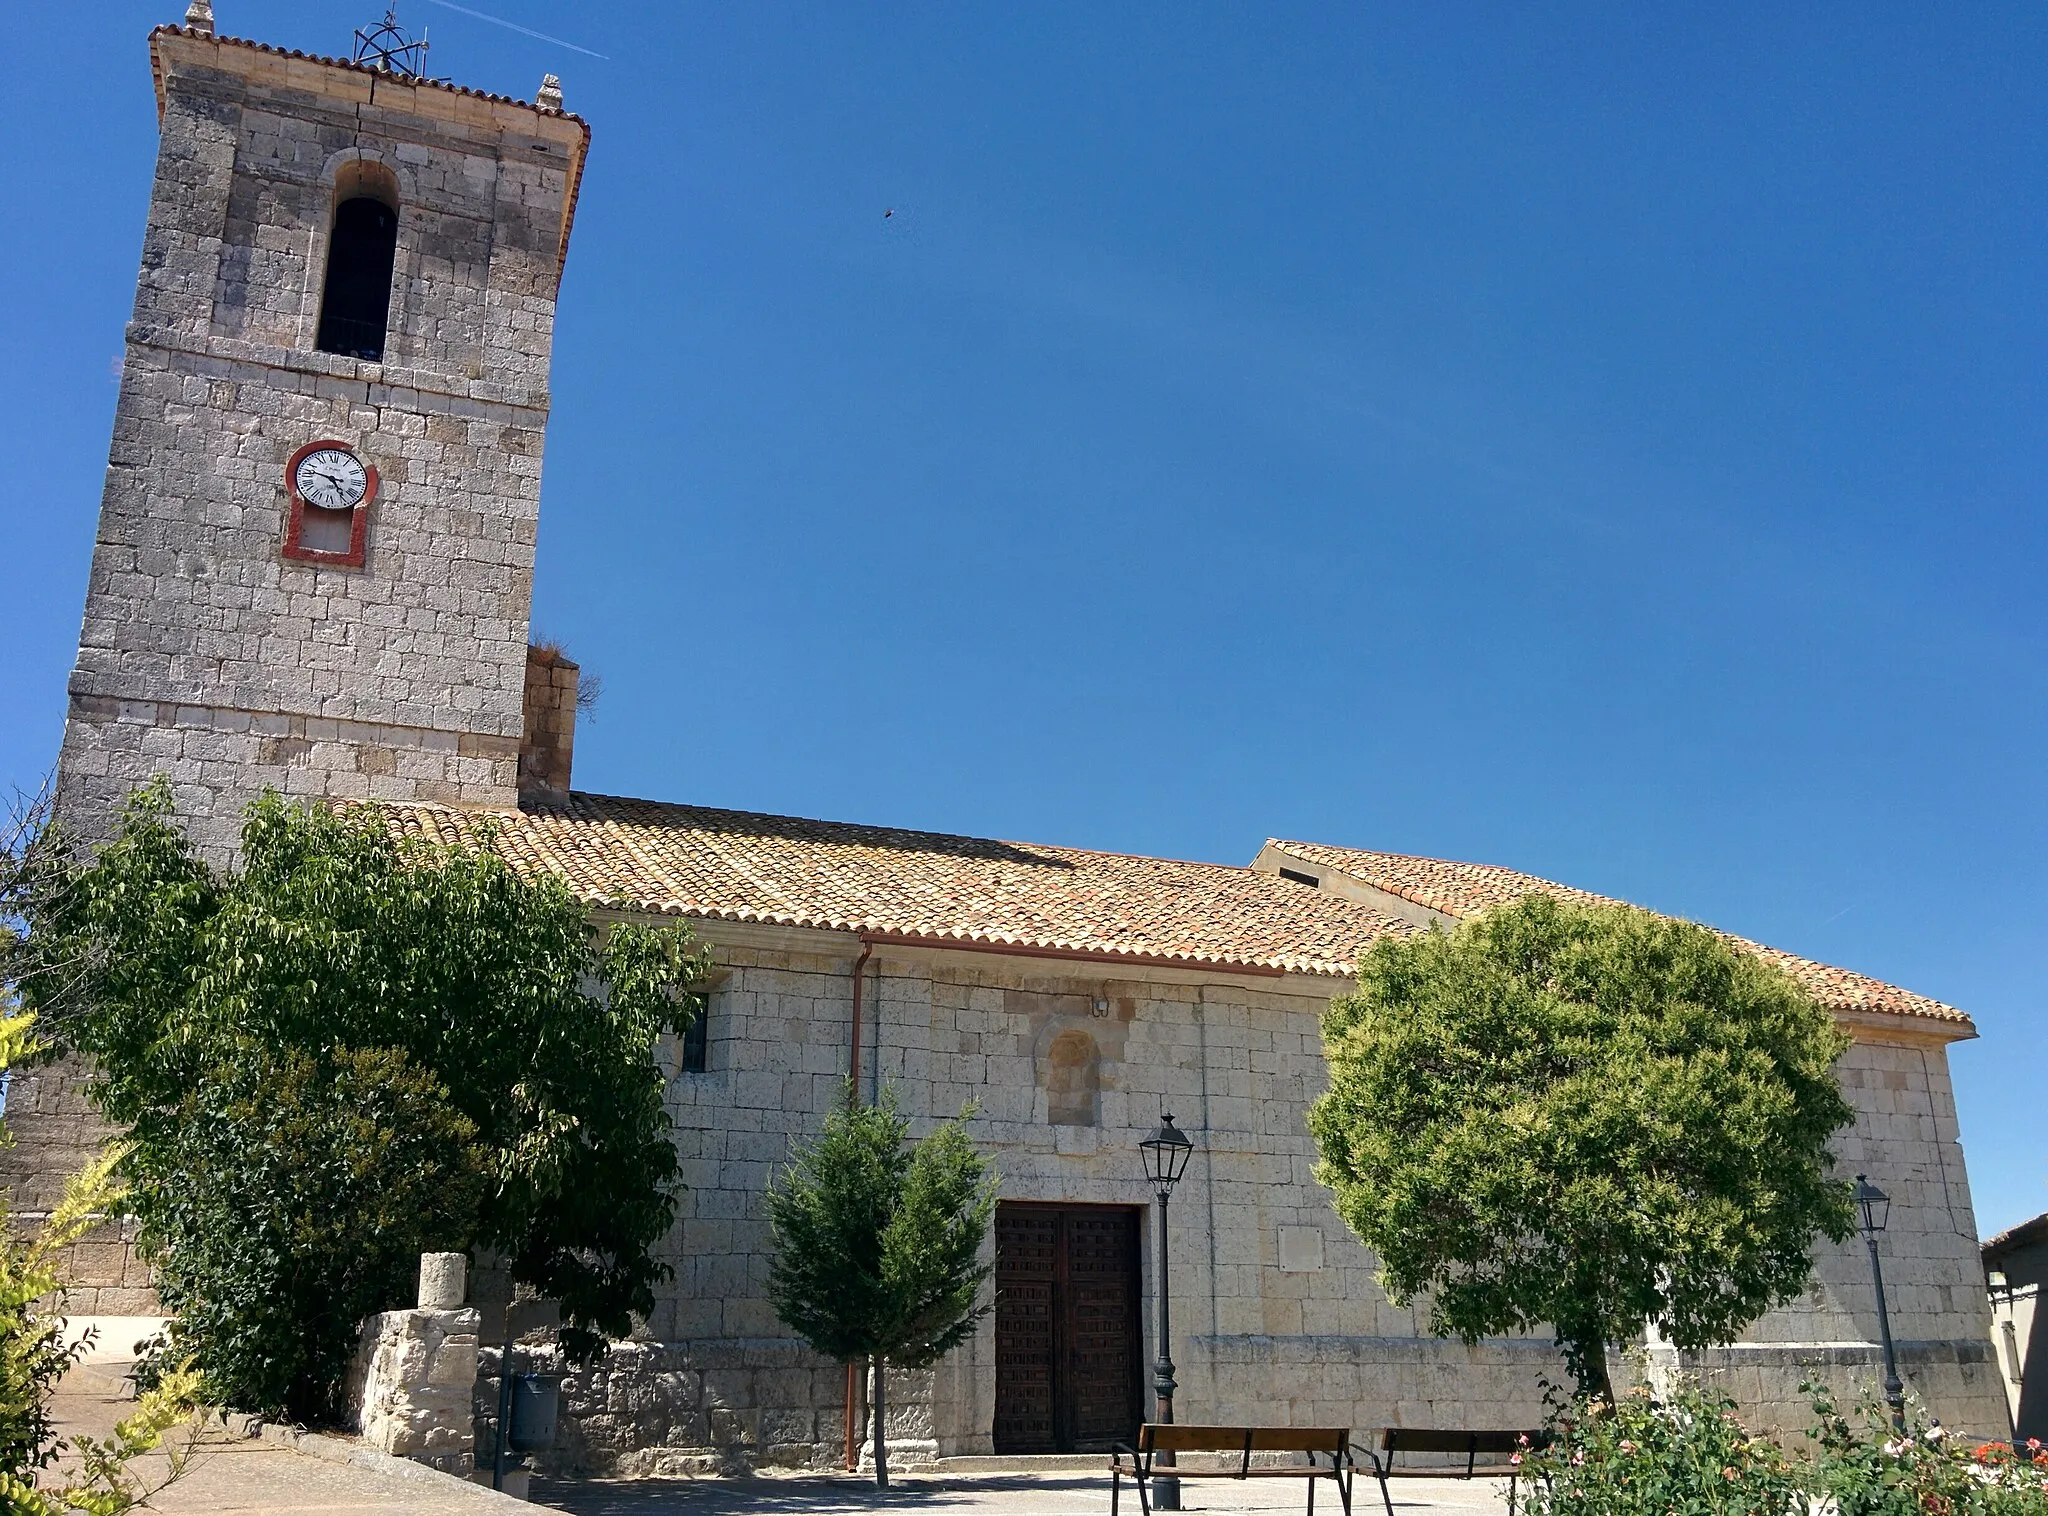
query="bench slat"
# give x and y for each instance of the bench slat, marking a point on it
(1181, 1438)
(1182, 1471)
(1452, 1471)
(1447, 1440)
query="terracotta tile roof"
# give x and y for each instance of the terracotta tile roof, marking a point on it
(1465, 889)
(690, 860)
(2027, 1234)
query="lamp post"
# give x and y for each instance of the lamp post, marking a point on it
(1873, 1208)
(1166, 1154)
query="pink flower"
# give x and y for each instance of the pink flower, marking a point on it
(1515, 1459)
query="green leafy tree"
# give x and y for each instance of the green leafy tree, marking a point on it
(287, 1197)
(1596, 1118)
(349, 988)
(878, 1243)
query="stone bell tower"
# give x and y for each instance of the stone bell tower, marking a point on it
(316, 543)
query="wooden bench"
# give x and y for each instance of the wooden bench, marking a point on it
(1154, 1438)
(1500, 1446)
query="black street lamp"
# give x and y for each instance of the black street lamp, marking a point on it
(1166, 1155)
(1873, 1208)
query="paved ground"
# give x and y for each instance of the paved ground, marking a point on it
(996, 1495)
(260, 1477)
(264, 1477)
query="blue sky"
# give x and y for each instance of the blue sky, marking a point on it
(1593, 439)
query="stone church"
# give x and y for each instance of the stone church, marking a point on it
(313, 571)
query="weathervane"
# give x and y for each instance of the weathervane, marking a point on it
(385, 46)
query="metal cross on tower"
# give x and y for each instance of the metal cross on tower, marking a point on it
(386, 46)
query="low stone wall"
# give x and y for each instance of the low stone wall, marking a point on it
(718, 1407)
(411, 1388)
(1959, 1380)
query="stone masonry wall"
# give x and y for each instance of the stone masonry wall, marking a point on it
(1278, 1315)
(204, 654)
(411, 1385)
(54, 1133)
(547, 750)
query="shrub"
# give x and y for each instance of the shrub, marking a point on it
(97, 1476)
(288, 1197)
(1869, 1467)
(1644, 1457)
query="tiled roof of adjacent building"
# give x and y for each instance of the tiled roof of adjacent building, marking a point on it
(691, 860)
(1465, 889)
(2027, 1234)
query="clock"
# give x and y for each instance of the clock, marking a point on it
(332, 478)
(331, 490)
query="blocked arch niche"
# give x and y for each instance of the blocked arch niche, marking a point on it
(1072, 1075)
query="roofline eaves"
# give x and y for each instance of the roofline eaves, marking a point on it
(571, 191)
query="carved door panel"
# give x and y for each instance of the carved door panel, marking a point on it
(1067, 1328)
(1101, 1380)
(1027, 1273)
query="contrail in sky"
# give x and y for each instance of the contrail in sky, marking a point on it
(516, 27)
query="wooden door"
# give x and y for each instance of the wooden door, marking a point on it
(1068, 1341)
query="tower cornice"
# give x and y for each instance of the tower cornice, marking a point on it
(540, 127)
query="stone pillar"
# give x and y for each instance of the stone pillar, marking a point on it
(444, 1277)
(409, 1390)
(547, 750)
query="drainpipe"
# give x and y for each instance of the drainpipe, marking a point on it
(860, 965)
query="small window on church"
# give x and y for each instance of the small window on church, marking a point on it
(697, 1040)
(356, 303)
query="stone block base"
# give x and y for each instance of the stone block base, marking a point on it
(651, 1409)
(410, 1390)
(1956, 1382)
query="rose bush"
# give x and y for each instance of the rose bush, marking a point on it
(1684, 1453)
(1868, 1467)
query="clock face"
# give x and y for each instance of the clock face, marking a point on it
(331, 478)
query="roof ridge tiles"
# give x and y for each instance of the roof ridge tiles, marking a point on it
(871, 826)
(1486, 886)
(272, 48)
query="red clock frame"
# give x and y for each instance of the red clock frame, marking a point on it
(359, 525)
